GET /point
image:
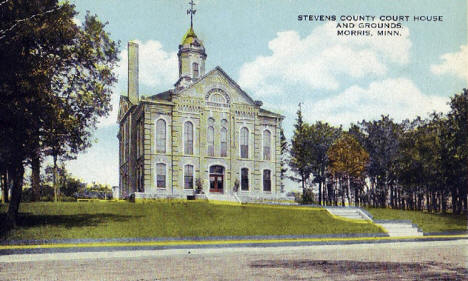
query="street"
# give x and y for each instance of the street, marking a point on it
(435, 260)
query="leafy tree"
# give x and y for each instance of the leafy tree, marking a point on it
(55, 83)
(321, 136)
(381, 141)
(348, 161)
(456, 136)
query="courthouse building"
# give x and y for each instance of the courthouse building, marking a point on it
(205, 133)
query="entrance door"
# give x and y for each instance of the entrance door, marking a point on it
(216, 178)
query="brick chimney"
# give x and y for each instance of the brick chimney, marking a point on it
(133, 93)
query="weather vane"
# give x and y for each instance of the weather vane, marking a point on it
(191, 11)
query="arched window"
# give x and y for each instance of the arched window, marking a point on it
(195, 70)
(161, 136)
(244, 142)
(188, 177)
(188, 138)
(266, 145)
(266, 180)
(244, 179)
(224, 123)
(218, 98)
(210, 140)
(161, 175)
(223, 137)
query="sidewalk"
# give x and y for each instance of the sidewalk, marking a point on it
(106, 245)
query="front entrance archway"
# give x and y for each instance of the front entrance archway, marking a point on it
(216, 178)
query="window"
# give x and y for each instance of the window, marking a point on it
(188, 177)
(210, 141)
(195, 70)
(223, 137)
(161, 175)
(266, 145)
(218, 98)
(244, 179)
(266, 180)
(126, 141)
(161, 136)
(244, 142)
(224, 123)
(140, 181)
(188, 138)
(139, 138)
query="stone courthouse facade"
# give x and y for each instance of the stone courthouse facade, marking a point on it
(205, 133)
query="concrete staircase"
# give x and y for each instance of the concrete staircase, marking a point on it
(350, 213)
(394, 228)
(399, 228)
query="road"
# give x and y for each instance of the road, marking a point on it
(428, 260)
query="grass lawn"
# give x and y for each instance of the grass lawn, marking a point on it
(426, 221)
(48, 220)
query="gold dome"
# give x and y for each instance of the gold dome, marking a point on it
(189, 37)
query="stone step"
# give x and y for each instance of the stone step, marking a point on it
(347, 213)
(401, 229)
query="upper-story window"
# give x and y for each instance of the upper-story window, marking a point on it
(224, 123)
(188, 138)
(195, 70)
(223, 138)
(139, 137)
(218, 98)
(161, 136)
(266, 145)
(210, 140)
(244, 142)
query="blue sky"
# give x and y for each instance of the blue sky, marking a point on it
(283, 61)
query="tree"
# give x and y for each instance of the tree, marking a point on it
(348, 161)
(284, 149)
(300, 151)
(381, 141)
(321, 137)
(55, 84)
(456, 136)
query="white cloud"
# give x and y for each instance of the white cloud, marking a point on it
(400, 98)
(99, 164)
(157, 69)
(453, 63)
(318, 59)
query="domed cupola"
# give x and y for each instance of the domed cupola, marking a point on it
(192, 58)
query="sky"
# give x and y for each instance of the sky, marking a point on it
(284, 61)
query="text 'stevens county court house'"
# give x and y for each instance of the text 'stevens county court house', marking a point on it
(206, 130)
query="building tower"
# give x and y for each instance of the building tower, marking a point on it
(191, 55)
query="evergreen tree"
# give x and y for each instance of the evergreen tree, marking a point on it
(300, 151)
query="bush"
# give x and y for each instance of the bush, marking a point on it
(307, 197)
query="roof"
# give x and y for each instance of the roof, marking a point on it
(162, 96)
(189, 37)
(218, 68)
(271, 112)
